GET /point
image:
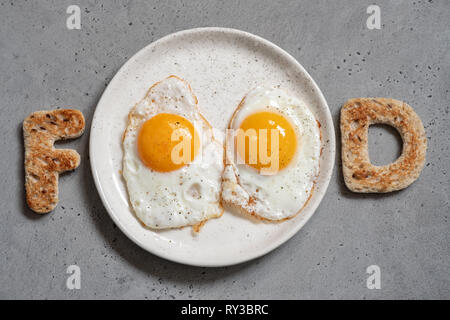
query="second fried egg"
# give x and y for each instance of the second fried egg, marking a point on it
(272, 155)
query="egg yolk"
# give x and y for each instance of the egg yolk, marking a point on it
(275, 125)
(167, 142)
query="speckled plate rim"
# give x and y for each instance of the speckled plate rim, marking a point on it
(307, 212)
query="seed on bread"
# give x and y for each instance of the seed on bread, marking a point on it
(44, 163)
(359, 174)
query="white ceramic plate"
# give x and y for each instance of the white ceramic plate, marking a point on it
(221, 65)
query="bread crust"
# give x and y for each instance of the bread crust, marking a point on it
(359, 174)
(44, 163)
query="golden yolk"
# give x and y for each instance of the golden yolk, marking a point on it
(167, 142)
(287, 141)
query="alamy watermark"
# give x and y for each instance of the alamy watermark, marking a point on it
(374, 280)
(73, 282)
(254, 147)
(73, 22)
(374, 20)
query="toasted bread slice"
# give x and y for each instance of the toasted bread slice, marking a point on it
(359, 174)
(43, 162)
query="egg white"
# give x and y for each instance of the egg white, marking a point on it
(284, 194)
(189, 195)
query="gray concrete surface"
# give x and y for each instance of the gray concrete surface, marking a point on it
(45, 65)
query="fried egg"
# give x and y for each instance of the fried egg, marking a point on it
(273, 147)
(172, 164)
